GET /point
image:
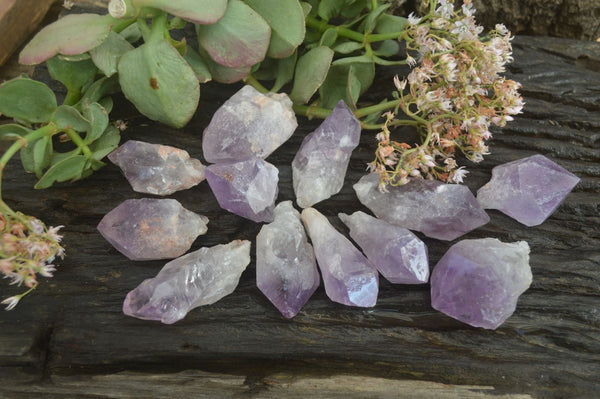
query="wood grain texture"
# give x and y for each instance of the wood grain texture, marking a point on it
(70, 338)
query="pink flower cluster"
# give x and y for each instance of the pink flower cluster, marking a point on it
(453, 94)
(27, 248)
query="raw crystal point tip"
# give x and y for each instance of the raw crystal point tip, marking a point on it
(157, 169)
(348, 276)
(528, 189)
(438, 210)
(479, 281)
(286, 269)
(249, 124)
(319, 167)
(199, 278)
(247, 188)
(151, 228)
(399, 255)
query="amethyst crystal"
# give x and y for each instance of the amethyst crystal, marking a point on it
(157, 169)
(528, 189)
(396, 252)
(438, 210)
(249, 124)
(199, 278)
(348, 276)
(479, 281)
(149, 228)
(247, 188)
(320, 165)
(286, 269)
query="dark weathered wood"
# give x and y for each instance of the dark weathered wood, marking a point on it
(70, 338)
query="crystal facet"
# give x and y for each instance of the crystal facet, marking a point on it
(319, 167)
(479, 281)
(348, 276)
(157, 169)
(399, 255)
(249, 124)
(199, 278)
(247, 188)
(528, 189)
(286, 269)
(151, 228)
(438, 210)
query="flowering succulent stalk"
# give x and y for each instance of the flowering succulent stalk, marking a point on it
(453, 94)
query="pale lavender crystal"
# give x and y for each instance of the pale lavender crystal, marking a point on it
(348, 276)
(286, 269)
(399, 255)
(199, 278)
(438, 210)
(157, 169)
(528, 189)
(249, 124)
(247, 188)
(319, 167)
(151, 228)
(479, 281)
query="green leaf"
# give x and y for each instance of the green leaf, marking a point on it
(42, 154)
(285, 71)
(70, 35)
(67, 117)
(336, 85)
(69, 168)
(347, 47)
(388, 48)
(75, 57)
(354, 9)
(311, 71)
(221, 73)
(286, 19)
(73, 74)
(27, 100)
(306, 8)
(239, 39)
(198, 65)
(373, 17)
(158, 81)
(353, 88)
(390, 24)
(98, 90)
(26, 155)
(106, 56)
(106, 144)
(107, 104)
(61, 156)
(266, 70)
(203, 12)
(329, 37)
(352, 60)
(12, 131)
(98, 120)
(132, 33)
(381, 61)
(330, 8)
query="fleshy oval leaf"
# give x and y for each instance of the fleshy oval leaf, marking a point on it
(311, 71)
(67, 117)
(70, 35)
(73, 74)
(69, 168)
(160, 83)
(106, 56)
(27, 100)
(204, 12)
(221, 73)
(239, 39)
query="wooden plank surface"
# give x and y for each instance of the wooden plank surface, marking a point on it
(70, 339)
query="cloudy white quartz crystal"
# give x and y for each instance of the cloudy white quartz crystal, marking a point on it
(319, 167)
(349, 278)
(286, 269)
(399, 255)
(438, 210)
(157, 169)
(199, 278)
(479, 281)
(249, 124)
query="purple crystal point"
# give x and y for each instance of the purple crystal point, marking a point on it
(286, 269)
(319, 167)
(249, 124)
(348, 276)
(199, 278)
(479, 281)
(157, 169)
(247, 188)
(528, 189)
(438, 210)
(396, 252)
(150, 228)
